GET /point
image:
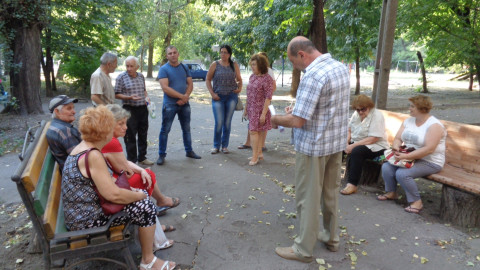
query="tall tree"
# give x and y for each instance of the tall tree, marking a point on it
(449, 30)
(20, 26)
(352, 27)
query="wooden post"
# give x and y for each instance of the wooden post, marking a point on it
(379, 50)
(386, 55)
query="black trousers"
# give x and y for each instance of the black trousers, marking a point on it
(357, 157)
(137, 124)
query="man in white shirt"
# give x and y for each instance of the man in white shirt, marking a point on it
(101, 88)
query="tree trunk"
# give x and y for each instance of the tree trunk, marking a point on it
(46, 75)
(424, 76)
(386, 56)
(459, 207)
(295, 82)
(60, 71)
(25, 80)
(477, 67)
(142, 51)
(470, 83)
(357, 70)
(317, 31)
(168, 37)
(150, 59)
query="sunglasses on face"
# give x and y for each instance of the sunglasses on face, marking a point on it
(361, 110)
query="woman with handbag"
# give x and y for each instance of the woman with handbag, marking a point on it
(86, 180)
(365, 140)
(259, 96)
(227, 84)
(426, 134)
(138, 177)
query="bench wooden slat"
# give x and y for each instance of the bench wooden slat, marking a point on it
(459, 178)
(32, 171)
(53, 204)
(42, 189)
(60, 226)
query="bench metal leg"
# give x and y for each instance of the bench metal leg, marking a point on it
(128, 258)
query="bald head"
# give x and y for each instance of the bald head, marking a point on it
(301, 52)
(300, 44)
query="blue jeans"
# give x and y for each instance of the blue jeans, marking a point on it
(168, 115)
(223, 112)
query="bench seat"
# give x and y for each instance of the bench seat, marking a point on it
(39, 184)
(460, 175)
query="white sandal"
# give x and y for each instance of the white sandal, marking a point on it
(150, 265)
(167, 264)
(165, 245)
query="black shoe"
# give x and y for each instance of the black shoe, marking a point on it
(192, 154)
(160, 160)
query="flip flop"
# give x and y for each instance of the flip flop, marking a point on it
(161, 210)
(169, 228)
(384, 198)
(167, 244)
(413, 210)
(243, 146)
(176, 202)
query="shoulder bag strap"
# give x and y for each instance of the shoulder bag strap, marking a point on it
(87, 167)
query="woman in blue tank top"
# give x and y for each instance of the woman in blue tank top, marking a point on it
(227, 84)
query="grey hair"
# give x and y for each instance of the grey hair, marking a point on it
(54, 115)
(132, 58)
(170, 47)
(119, 113)
(301, 45)
(108, 58)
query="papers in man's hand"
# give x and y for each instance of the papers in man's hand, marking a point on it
(272, 111)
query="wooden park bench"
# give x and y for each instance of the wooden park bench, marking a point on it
(460, 177)
(39, 184)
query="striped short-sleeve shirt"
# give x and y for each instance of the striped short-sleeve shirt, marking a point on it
(127, 85)
(323, 98)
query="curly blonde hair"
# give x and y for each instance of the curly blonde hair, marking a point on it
(422, 103)
(96, 123)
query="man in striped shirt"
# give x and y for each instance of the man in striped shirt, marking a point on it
(320, 120)
(130, 88)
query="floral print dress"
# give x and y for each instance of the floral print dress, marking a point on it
(260, 88)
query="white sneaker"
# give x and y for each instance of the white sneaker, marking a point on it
(146, 162)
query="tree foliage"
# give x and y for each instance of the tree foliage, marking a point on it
(82, 30)
(20, 25)
(352, 30)
(448, 29)
(265, 25)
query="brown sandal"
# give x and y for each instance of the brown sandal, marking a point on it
(349, 189)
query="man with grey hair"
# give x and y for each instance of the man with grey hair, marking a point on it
(130, 88)
(320, 122)
(62, 136)
(101, 88)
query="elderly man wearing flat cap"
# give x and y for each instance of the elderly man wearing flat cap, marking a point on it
(62, 136)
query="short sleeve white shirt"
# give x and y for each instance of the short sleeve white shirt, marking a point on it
(372, 126)
(101, 84)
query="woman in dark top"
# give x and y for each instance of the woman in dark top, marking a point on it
(227, 84)
(81, 201)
